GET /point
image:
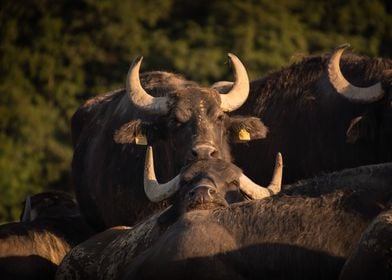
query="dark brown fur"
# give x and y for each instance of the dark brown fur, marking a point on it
(309, 121)
(107, 166)
(100, 257)
(306, 232)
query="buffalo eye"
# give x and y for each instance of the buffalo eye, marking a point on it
(178, 125)
(175, 124)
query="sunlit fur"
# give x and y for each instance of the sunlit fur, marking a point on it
(34, 249)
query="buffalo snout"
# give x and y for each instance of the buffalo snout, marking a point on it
(204, 151)
(202, 194)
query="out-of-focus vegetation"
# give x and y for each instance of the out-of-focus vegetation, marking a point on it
(56, 54)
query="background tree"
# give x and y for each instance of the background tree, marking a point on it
(56, 54)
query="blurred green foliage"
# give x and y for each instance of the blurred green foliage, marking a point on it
(56, 54)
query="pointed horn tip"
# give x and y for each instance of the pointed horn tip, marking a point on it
(135, 63)
(341, 48)
(148, 150)
(137, 60)
(279, 159)
(231, 55)
(148, 153)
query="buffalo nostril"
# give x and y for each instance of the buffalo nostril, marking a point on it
(214, 154)
(194, 153)
(204, 151)
(211, 192)
(192, 193)
(202, 194)
(210, 151)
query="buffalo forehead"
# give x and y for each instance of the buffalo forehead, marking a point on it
(193, 96)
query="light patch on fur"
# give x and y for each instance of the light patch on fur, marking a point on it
(43, 244)
(202, 112)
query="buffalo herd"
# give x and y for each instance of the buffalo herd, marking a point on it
(209, 203)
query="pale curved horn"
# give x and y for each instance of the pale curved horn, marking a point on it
(240, 90)
(157, 192)
(139, 96)
(27, 210)
(276, 182)
(342, 86)
(255, 191)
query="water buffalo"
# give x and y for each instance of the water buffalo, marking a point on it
(182, 120)
(307, 231)
(317, 119)
(50, 226)
(205, 184)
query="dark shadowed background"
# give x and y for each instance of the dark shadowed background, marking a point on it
(56, 54)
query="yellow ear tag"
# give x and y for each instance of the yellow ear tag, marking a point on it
(244, 135)
(141, 140)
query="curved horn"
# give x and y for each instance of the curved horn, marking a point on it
(139, 96)
(256, 191)
(27, 210)
(342, 86)
(240, 91)
(157, 192)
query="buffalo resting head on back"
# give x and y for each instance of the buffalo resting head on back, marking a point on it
(180, 119)
(304, 232)
(206, 184)
(307, 231)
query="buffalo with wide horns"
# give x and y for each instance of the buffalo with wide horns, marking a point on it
(180, 119)
(324, 113)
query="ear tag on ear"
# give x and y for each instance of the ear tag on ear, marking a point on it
(141, 140)
(244, 135)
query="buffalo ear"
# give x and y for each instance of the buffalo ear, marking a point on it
(244, 129)
(361, 128)
(136, 132)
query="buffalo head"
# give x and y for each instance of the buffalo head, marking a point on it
(49, 205)
(207, 184)
(191, 119)
(373, 126)
(180, 119)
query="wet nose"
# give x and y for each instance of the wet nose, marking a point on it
(202, 194)
(204, 151)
